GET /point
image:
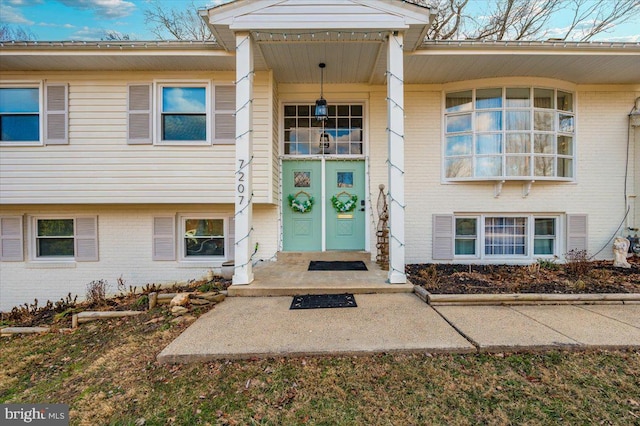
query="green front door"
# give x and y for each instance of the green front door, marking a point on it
(301, 183)
(345, 205)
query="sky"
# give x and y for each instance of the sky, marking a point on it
(62, 20)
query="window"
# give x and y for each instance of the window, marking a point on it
(505, 237)
(19, 114)
(183, 113)
(65, 238)
(203, 238)
(342, 133)
(54, 238)
(466, 236)
(29, 118)
(186, 113)
(509, 133)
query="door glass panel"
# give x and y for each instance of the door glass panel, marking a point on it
(345, 179)
(302, 179)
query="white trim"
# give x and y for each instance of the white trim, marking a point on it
(28, 84)
(158, 85)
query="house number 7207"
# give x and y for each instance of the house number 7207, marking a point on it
(240, 186)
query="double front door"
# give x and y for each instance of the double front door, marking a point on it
(323, 205)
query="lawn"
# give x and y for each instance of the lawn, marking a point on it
(108, 373)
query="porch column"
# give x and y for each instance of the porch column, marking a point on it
(243, 273)
(395, 107)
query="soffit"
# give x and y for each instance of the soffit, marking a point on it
(115, 56)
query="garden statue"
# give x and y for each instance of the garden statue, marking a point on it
(620, 248)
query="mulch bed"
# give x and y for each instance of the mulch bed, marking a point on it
(595, 277)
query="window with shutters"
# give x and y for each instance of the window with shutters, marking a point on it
(33, 114)
(203, 238)
(187, 113)
(505, 237)
(64, 238)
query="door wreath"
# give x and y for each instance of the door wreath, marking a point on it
(347, 206)
(300, 206)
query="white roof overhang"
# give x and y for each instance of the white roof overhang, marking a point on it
(115, 56)
(439, 62)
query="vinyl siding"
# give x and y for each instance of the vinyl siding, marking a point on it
(98, 166)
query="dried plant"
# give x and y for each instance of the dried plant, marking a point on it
(97, 292)
(577, 262)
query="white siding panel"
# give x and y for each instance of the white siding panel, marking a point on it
(98, 166)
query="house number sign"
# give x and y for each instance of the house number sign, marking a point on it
(241, 175)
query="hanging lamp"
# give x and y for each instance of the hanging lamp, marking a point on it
(321, 111)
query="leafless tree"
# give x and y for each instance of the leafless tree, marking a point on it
(527, 19)
(457, 19)
(178, 24)
(9, 32)
(110, 35)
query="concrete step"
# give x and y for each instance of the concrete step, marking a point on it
(288, 276)
(307, 256)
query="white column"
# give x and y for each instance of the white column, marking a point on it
(395, 107)
(243, 273)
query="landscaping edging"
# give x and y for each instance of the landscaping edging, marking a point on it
(524, 298)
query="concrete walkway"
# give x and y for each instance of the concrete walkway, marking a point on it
(248, 327)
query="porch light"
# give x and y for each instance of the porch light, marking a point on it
(321, 112)
(634, 115)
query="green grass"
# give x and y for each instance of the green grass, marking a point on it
(108, 374)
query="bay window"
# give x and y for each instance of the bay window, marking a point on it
(521, 133)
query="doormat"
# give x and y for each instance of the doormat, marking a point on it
(318, 301)
(337, 265)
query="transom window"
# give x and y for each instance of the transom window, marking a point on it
(203, 238)
(509, 133)
(342, 133)
(19, 114)
(494, 236)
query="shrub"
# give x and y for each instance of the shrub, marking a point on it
(577, 262)
(97, 292)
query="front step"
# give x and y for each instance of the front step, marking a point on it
(289, 277)
(327, 256)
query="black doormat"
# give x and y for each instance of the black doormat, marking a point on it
(317, 301)
(337, 265)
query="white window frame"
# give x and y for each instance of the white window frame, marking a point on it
(41, 111)
(529, 237)
(182, 218)
(33, 240)
(531, 109)
(157, 117)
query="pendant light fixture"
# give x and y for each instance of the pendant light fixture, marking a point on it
(321, 112)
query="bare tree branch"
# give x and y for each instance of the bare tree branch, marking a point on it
(177, 24)
(9, 32)
(526, 19)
